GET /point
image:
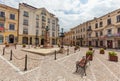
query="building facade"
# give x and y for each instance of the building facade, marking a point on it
(8, 24)
(99, 32)
(33, 22)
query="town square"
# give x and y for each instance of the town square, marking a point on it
(70, 40)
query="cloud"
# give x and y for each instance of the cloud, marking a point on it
(71, 12)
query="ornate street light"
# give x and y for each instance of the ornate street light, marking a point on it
(62, 36)
(46, 41)
(36, 39)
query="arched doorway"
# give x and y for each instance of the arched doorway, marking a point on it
(11, 38)
(42, 41)
(25, 40)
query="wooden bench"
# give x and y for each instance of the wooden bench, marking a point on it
(82, 64)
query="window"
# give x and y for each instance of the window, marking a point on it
(96, 25)
(118, 30)
(1, 24)
(37, 24)
(42, 33)
(108, 21)
(25, 22)
(101, 33)
(48, 20)
(44, 18)
(26, 14)
(101, 24)
(53, 34)
(118, 18)
(89, 35)
(89, 27)
(53, 28)
(109, 31)
(83, 29)
(2, 14)
(96, 34)
(43, 12)
(37, 17)
(12, 16)
(37, 32)
(25, 31)
(1, 27)
(11, 27)
(53, 21)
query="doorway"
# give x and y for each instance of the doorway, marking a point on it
(109, 43)
(11, 38)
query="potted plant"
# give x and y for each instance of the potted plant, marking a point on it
(89, 53)
(113, 56)
(104, 47)
(76, 47)
(102, 51)
(24, 45)
(90, 48)
(6, 44)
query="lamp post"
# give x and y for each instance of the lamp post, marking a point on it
(36, 39)
(62, 36)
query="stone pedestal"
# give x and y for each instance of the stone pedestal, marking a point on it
(47, 45)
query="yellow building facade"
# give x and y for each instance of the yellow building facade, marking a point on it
(99, 32)
(8, 24)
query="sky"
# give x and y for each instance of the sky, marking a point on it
(71, 12)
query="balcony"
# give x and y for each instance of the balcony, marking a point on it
(89, 29)
(110, 35)
(44, 20)
(25, 15)
(2, 18)
(117, 35)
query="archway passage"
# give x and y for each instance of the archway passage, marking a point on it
(11, 38)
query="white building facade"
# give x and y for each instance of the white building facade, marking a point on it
(32, 24)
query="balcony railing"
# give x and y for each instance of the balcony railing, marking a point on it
(117, 35)
(89, 29)
(113, 35)
(109, 35)
(2, 18)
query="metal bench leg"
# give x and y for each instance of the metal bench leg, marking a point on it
(85, 71)
(77, 68)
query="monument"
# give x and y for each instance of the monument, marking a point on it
(47, 47)
(46, 39)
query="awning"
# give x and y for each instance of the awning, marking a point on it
(1, 28)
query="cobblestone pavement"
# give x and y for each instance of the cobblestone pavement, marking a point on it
(45, 68)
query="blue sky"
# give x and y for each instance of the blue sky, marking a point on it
(71, 12)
